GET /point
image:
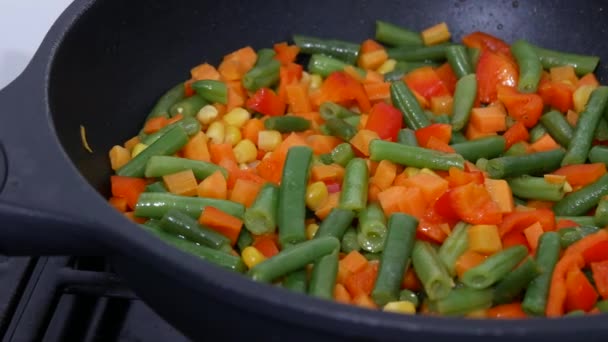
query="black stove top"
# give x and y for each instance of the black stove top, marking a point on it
(73, 299)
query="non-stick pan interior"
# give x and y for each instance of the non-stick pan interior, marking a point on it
(121, 55)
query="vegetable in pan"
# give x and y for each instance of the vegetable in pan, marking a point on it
(423, 176)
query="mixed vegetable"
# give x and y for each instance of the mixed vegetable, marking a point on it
(418, 176)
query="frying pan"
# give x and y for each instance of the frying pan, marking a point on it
(104, 63)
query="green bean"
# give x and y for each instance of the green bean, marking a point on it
(453, 247)
(178, 223)
(261, 216)
(579, 220)
(189, 124)
(568, 236)
(211, 90)
(372, 228)
(325, 65)
(558, 127)
(293, 258)
(464, 97)
(459, 60)
(473, 54)
(171, 142)
(581, 201)
(265, 56)
(345, 51)
(341, 129)
(188, 106)
(602, 305)
(488, 147)
(536, 188)
(601, 213)
(582, 64)
(156, 204)
(403, 67)
(211, 255)
(463, 300)
(410, 296)
(417, 54)
(372, 256)
(517, 149)
(407, 137)
(342, 154)
(414, 156)
(458, 137)
(579, 146)
(245, 239)
(354, 185)
(164, 103)
(324, 158)
(601, 131)
(349, 241)
(406, 102)
(353, 120)
(336, 223)
(287, 123)
(323, 278)
(291, 212)
(532, 164)
(329, 110)
(296, 281)
(262, 76)
(547, 254)
(537, 132)
(158, 166)
(394, 35)
(395, 257)
(529, 64)
(156, 187)
(514, 283)
(598, 154)
(441, 118)
(494, 268)
(434, 277)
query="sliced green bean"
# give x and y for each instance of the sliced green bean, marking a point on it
(601, 131)
(261, 216)
(245, 239)
(336, 223)
(262, 76)
(296, 281)
(529, 64)
(514, 283)
(453, 247)
(410, 296)
(463, 300)
(532, 164)
(349, 241)
(394, 35)
(188, 106)
(325, 65)
(329, 110)
(459, 60)
(579, 220)
(211, 90)
(430, 270)
(287, 123)
(341, 129)
(582, 64)
(536, 188)
(494, 268)
(602, 305)
(537, 132)
(598, 154)
(473, 54)
(547, 254)
(372, 228)
(158, 166)
(488, 147)
(406, 102)
(323, 278)
(156, 204)
(342, 154)
(581, 201)
(464, 97)
(407, 136)
(354, 186)
(178, 223)
(156, 187)
(414, 156)
(417, 54)
(168, 99)
(601, 213)
(189, 124)
(345, 51)
(558, 127)
(568, 236)
(265, 56)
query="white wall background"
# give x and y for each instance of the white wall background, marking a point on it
(23, 25)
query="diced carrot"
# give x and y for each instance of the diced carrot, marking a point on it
(538, 204)
(129, 144)
(378, 91)
(234, 99)
(362, 282)
(582, 174)
(385, 174)
(221, 109)
(237, 63)
(572, 117)
(131, 216)
(442, 104)
(565, 74)
(473, 133)
(363, 121)
(516, 133)
(438, 145)
(354, 73)
(489, 119)
(197, 148)
(128, 188)
(390, 198)
(372, 60)
(155, 124)
(118, 203)
(286, 53)
(332, 202)
(506, 311)
(267, 245)
(245, 191)
(222, 222)
(372, 192)
(297, 98)
(364, 301)
(362, 139)
(219, 152)
(181, 183)
(544, 143)
(370, 45)
(354, 262)
(205, 71)
(214, 186)
(119, 156)
(271, 168)
(251, 128)
(468, 260)
(431, 186)
(322, 144)
(513, 239)
(327, 173)
(413, 202)
(588, 79)
(532, 234)
(410, 280)
(501, 193)
(372, 76)
(341, 295)
(342, 275)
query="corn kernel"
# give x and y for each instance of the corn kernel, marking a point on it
(311, 230)
(207, 114)
(581, 96)
(567, 187)
(245, 151)
(315, 82)
(429, 172)
(216, 132)
(316, 195)
(269, 140)
(403, 306)
(237, 117)
(436, 34)
(411, 171)
(484, 239)
(387, 66)
(232, 135)
(251, 256)
(137, 149)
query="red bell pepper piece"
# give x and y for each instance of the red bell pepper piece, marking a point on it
(582, 174)
(457, 177)
(447, 76)
(600, 277)
(285, 53)
(557, 95)
(516, 133)
(443, 207)
(484, 41)
(342, 88)
(128, 188)
(265, 101)
(385, 120)
(288, 74)
(580, 293)
(440, 131)
(526, 108)
(494, 69)
(426, 82)
(520, 220)
(597, 252)
(430, 231)
(473, 204)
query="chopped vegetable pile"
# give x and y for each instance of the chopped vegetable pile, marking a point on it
(406, 173)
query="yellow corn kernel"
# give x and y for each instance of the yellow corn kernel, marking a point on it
(567, 187)
(137, 149)
(119, 156)
(484, 239)
(436, 34)
(315, 82)
(232, 135)
(251, 256)
(237, 117)
(428, 172)
(311, 230)
(581, 96)
(411, 171)
(387, 66)
(316, 195)
(207, 114)
(245, 151)
(402, 306)
(554, 179)
(269, 140)
(216, 132)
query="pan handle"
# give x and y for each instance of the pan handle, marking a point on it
(43, 199)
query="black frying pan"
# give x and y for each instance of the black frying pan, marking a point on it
(103, 64)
